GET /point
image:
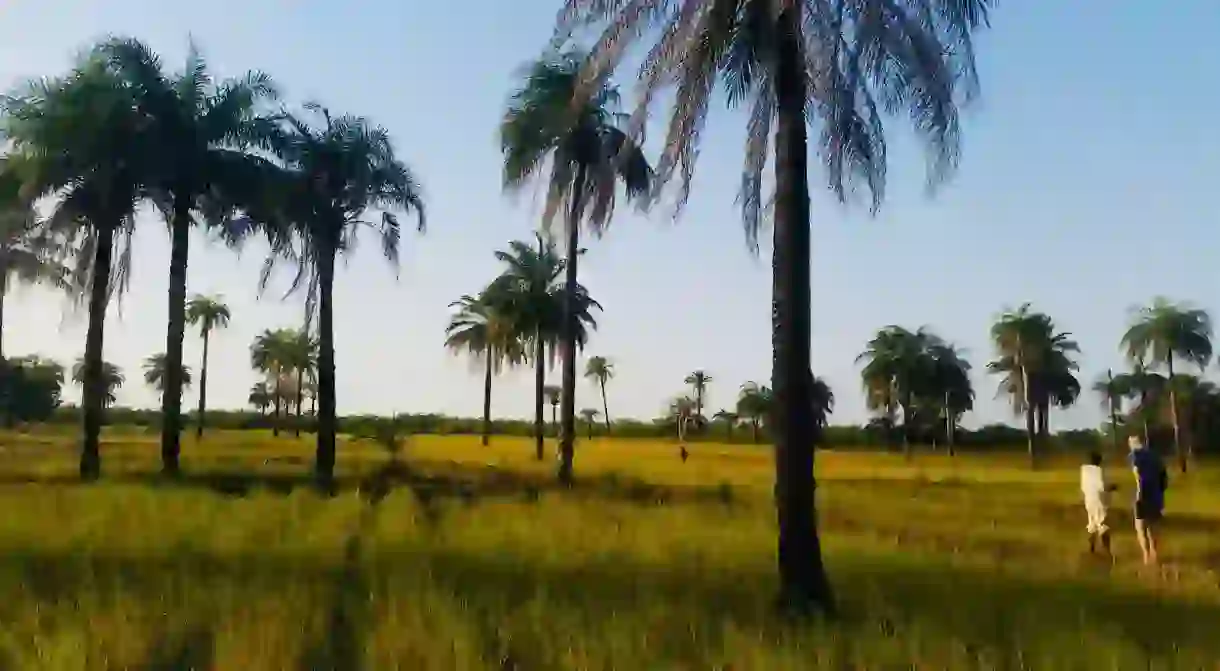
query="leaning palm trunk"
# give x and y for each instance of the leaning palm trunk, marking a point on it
(539, 391)
(324, 461)
(803, 581)
(567, 398)
(1183, 451)
(487, 398)
(171, 399)
(94, 397)
(203, 390)
(605, 405)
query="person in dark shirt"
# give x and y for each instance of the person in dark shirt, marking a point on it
(1151, 480)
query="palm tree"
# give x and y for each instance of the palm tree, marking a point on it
(698, 382)
(198, 131)
(1037, 366)
(26, 252)
(590, 416)
(898, 367)
(754, 402)
(729, 418)
(555, 125)
(1165, 331)
(823, 401)
(554, 395)
(260, 397)
(332, 174)
(529, 290)
(302, 362)
(271, 354)
(81, 139)
(1147, 390)
(112, 379)
(600, 369)
(1111, 392)
(794, 62)
(156, 372)
(486, 333)
(209, 313)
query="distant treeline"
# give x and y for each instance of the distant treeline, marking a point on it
(991, 437)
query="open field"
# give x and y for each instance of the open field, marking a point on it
(475, 562)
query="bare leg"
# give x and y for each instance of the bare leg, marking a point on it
(1143, 533)
(1150, 530)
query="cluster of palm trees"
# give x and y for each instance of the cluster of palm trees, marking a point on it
(117, 132)
(754, 405)
(287, 361)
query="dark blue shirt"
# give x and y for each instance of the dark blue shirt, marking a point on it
(1150, 472)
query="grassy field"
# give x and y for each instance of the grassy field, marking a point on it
(478, 563)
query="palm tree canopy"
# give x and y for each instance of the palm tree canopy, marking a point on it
(1165, 329)
(552, 394)
(480, 328)
(272, 351)
(864, 59)
(590, 414)
(27, 250)
(552, 121)
(112, 377)
(155, 368)
(599, 368)
(698, 379)
(208, 312)
(332, 174)
(1027, 340)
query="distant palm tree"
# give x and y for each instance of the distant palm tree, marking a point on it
(112, 379)
(27, 254)
(530, 292)
(482, 330)
(1111, 392)
(555, 125)
(836, 66)
(209, 313)
(753, 403)
(600, 370)
(271, 354)
(948, 386)
(81, 139)
(554, 395)
(156, 372)
(729, 418)
(590, 417)
(333, 173)
(1165, 331)
(1147, 390)
(198, 131)
(260, 397)
(897, 369)
(303, 365)
(698, 382)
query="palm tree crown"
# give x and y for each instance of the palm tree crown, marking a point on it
(156, 369)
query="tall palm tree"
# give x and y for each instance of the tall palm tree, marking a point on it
(112, 379)
(1163, 332)
(754, 401)
(573, 132)
(81, 139)
(1037, 366)
(599, 369)
(554, 395)
(897, 368)
(698, 382)
(530, 291)
(271, 354)
(483, 330)
(794, 62)
(590, 417)
(302, 364)
(209, 313)
(26, 252)
(199, 130)
(1147, 390)
(156, 372)
(333, 172)
(260, 397)
(1111, 392)
(729, 418)
(949, 387)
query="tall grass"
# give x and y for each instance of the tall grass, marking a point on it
(651, 564)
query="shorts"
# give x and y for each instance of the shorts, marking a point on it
(1148, 511)
(1097, 518)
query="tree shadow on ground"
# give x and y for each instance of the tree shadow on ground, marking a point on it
(192, 651)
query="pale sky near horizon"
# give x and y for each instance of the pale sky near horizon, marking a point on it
(1084, 189)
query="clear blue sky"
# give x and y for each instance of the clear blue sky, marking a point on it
(1086, 187)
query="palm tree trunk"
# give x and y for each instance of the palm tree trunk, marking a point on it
(324, 461)
(300, 400)
(203, 389)
(754, 429)
(567, 397)
(279, 395)
(803, 581)
(950, 427)
(539, 391)
(699, 410)
(94, 395)
(3, 293)
(555, 419)
(605, 405)
(1030, 429)
(589, 426)
(1173, 415)
(487, 399)
(171, 398)
(1113, 410)
(906, 429)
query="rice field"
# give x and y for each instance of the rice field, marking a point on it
(471, 559)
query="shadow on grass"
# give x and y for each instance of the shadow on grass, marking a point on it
(191, 651)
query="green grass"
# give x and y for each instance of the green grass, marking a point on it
(649, 564)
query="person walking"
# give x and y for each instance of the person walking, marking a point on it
(1151, 481)
(1096, 493)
